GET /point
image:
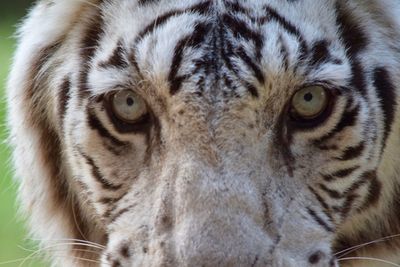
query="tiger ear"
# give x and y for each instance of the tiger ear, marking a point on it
(45, 185)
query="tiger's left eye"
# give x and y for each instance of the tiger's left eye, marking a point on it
(309, 103)
(128, 106)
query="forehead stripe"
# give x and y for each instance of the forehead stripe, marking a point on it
(240, 29)
(201, 8)
(148, 2)
(117, 59)
(198, 36)
(355, 41)
(273, 15)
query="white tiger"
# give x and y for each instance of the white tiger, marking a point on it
(209, 132)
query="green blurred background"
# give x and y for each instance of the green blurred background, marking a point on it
(14, 244)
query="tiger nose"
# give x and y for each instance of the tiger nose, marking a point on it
(316, 258)
(123, 256)
(209, 251)
(192, 246)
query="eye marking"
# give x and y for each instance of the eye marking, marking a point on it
(128, 106)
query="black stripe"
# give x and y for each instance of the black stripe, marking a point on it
(95, 124)
(358, 79)
(364, 178)
(332, 193)
(319, 220)
(272, 14)
(319, 198)
(117, 59)
(345, 172)
(240, 29)
(97, 174)
(284, 52)
(201, 8)
(64, 98)
(120, 212)
(251, 88)
(387, 95)
(339, 174)
(226, 50)
(253, 66)
(352, 152)
(349, 191)
(374, 190)
(348, 119)
(325, 206)
(352, 33)
(112, 200)
(193, 40)
(319, 52)
(148, 2)
(89, 45)
(236, 8)
(348, 205)
(355, 41)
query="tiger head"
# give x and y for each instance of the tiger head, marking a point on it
(206, 133)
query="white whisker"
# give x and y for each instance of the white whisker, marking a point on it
(354, 248)
(80, 241)
(51, 247)
(369, 259)
(23, 260)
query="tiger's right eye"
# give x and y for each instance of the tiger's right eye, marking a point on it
(128, 106)
(308, 103)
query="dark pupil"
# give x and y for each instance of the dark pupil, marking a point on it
(308, 97)
(130, 101)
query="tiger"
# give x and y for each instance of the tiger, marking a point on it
(209, 132)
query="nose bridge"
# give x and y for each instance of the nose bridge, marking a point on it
(209, 190)
(222, 218)
(218, 216)
(207, 215)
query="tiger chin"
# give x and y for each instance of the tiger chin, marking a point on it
(209, 133)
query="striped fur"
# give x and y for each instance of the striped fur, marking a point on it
(217, 173)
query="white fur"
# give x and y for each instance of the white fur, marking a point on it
(215, 191)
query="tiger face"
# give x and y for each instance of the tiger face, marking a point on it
(206, 133)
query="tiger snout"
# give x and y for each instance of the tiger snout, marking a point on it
(206, 218)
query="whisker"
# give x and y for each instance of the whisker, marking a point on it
(88, 251)
(25, 259)
(87, 260)
(77, 224)
(40, 250)
(369, 259)
(75, 250)
(84, 242)
(347, 251)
